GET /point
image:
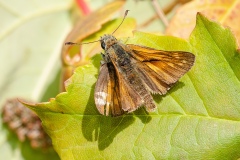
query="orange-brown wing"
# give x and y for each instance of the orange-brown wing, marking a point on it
(106, 93)
(130, 100)
(160, 69)
(112, 93)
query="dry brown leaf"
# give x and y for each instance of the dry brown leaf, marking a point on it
(227, 12)
(90, 24)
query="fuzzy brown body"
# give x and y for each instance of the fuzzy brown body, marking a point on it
(130, 73)
(125, 65)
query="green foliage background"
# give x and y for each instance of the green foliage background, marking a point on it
(197, 119)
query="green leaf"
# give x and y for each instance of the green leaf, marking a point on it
(197, 119)
(31, 35)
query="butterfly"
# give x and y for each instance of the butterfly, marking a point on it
(130, 73)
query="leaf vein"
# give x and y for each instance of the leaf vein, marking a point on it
(201, 98)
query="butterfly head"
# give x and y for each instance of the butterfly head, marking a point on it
(107, 41)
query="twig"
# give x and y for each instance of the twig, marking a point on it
(160, 13)
(166, 10)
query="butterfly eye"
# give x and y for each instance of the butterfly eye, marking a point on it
(103, 45)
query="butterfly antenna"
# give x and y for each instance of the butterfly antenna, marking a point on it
(126, 12)
(72, 43)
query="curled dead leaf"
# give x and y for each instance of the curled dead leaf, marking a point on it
(86, 27)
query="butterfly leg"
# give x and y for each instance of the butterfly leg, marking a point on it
(105, 58)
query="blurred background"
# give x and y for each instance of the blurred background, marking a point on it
(34, 62)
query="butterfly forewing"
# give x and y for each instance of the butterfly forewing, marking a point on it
(101, 92)
(160, 69)
(106, 93)
(116, 105)
(129, 98)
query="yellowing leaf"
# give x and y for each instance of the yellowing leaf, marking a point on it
(225, 12)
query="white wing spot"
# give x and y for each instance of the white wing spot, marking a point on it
(102, 94)
(101, 101)
(101, 98)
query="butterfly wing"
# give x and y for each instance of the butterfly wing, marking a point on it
(112, 94)
(160, 69)
(130, 100)
(106, 93)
